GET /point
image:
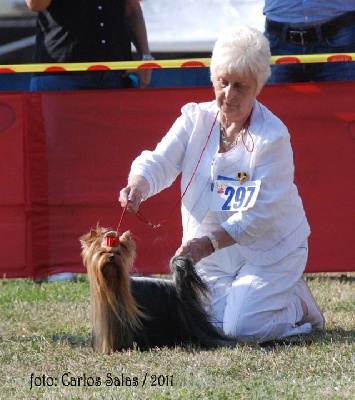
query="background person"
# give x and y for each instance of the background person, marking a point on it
(88, 31)
(252, 260)
(71, 31)
(311, 27)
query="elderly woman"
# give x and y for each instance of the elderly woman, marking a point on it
(243, 221)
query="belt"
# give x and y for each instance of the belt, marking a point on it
(312, 34)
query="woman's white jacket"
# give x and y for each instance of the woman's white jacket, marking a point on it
(264, 234)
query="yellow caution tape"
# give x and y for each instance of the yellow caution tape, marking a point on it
(102, 66)
(156, 64)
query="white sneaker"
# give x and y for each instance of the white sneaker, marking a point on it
(314, 315)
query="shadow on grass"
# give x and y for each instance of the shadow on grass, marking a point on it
(331, 336)
(72, 340)
(337, 335)
(343, 278)
(64, 338)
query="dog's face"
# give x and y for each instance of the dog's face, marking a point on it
(101, 247)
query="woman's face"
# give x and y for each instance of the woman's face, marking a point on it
(235, 94)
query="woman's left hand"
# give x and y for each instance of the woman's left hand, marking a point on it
(197, 249)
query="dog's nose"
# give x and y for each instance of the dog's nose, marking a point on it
(111, 258)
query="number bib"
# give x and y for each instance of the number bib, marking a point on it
(230, 195)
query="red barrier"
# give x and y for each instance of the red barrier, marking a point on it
(65, 155)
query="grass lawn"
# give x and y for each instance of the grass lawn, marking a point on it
(45, 353)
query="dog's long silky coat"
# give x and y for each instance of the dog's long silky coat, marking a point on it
(129, 312)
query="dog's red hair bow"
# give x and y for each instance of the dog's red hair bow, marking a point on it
(112, 241)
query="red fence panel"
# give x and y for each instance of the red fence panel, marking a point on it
(65, 155)
(12, 187)
(321, 120)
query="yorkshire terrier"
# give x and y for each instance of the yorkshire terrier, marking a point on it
(139, 312)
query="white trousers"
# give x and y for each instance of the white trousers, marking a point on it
(255, 302)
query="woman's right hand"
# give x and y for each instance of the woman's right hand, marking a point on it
(134, 193)
(131, 197)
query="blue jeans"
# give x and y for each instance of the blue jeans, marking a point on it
(78, 81)
(342, 42)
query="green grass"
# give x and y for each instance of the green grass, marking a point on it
(45, 333)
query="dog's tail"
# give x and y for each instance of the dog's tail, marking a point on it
(187, 281)
(194, 295)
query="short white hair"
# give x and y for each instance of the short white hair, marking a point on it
(242, 49)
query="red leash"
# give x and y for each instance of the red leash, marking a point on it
(122, 214)
(159, 224)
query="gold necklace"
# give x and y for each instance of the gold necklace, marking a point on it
(237, 139)
(239, 135)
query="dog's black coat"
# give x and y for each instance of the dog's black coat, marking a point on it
(175, 313)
